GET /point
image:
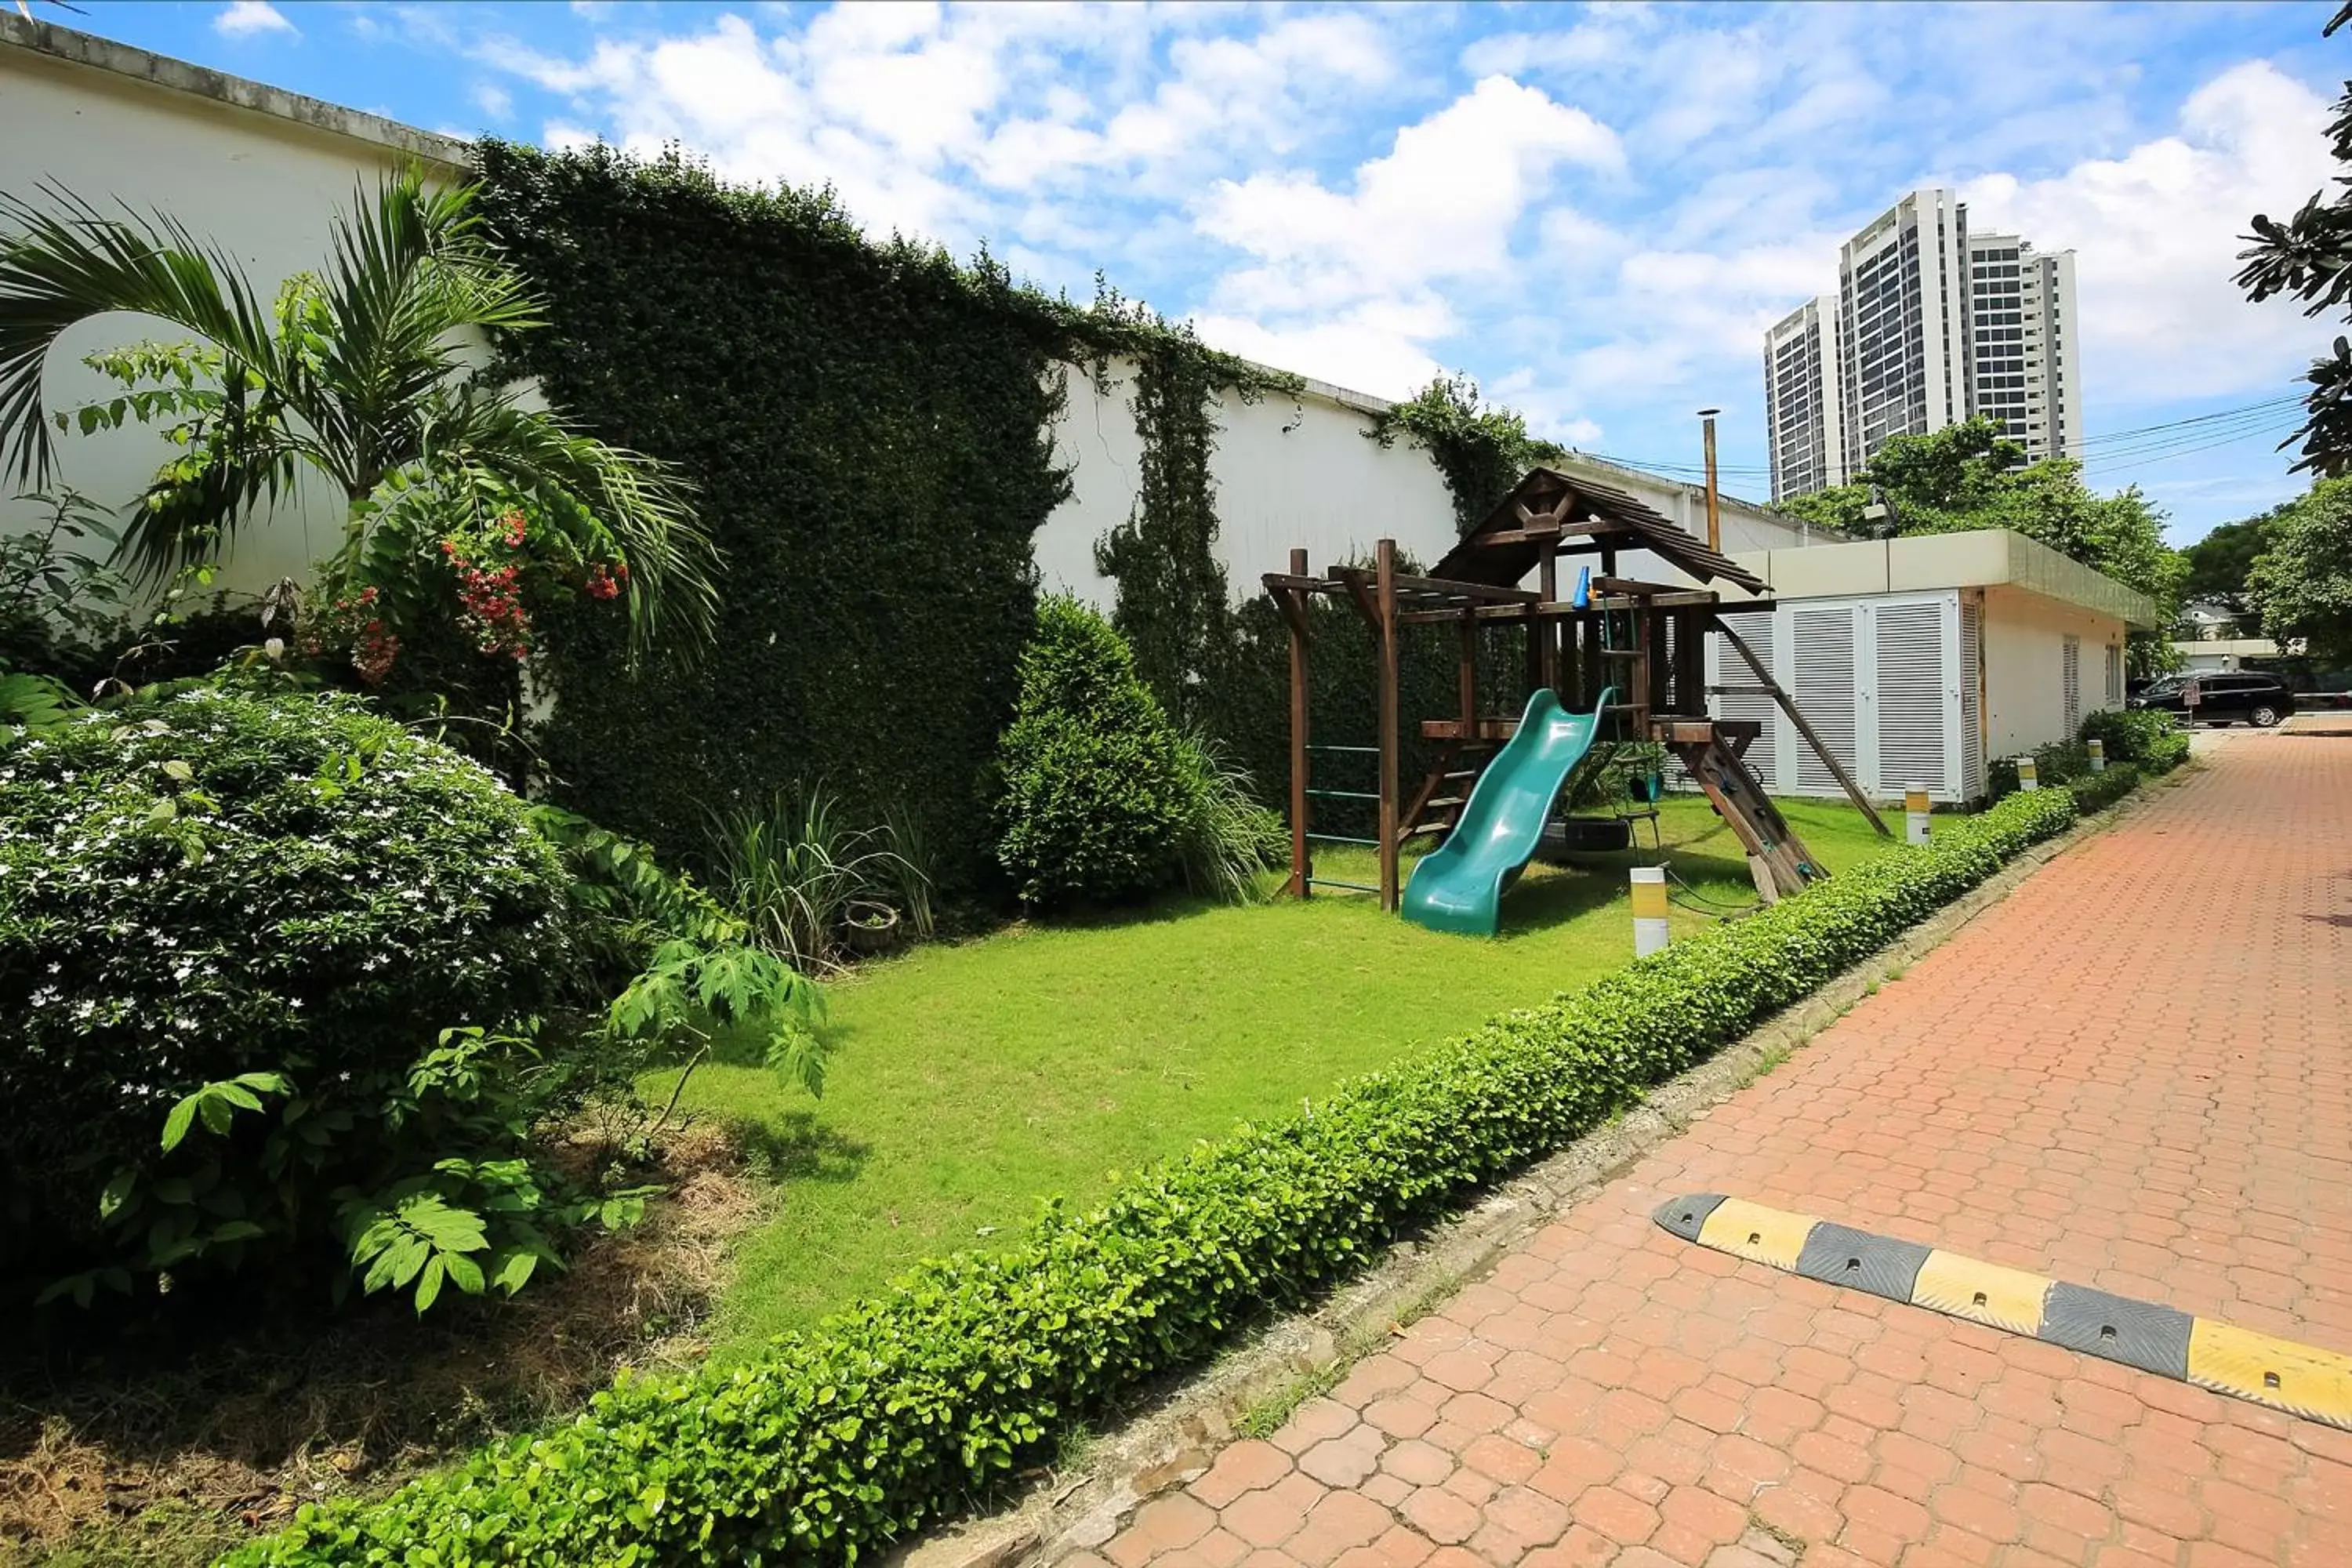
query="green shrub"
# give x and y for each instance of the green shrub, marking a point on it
(834, 1443)
(2153, 740)
(216, 901)
(1094, 797)
(2096, 792)
(799, 872)
(1226, 837)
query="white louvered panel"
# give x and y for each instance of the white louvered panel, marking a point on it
(1670, 770)
(1822, 640)
(1972, 762)
(1911, 729)
(2070, 676)
(1725, 667)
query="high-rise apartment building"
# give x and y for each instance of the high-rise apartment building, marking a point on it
(1930, 326)
(2023, 326)
(1805, 399)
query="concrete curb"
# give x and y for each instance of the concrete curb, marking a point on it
(1176, 1441)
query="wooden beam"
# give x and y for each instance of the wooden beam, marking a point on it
(1465, 590)
(1537, 533)
(1634, 585)
(1358, 584)
(1561, 609)
(1804, 727)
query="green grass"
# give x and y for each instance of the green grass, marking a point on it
(969, 1081)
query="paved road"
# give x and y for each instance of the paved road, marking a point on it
(2134, 1073)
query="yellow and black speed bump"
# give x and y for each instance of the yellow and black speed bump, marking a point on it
(2300, 1379)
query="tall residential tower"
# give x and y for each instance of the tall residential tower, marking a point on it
(1930, 326)
(2024, 323)
(1805, 399)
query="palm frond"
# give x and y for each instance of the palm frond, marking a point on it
(62, 267)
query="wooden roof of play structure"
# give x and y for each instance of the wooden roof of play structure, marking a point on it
(1549, 507)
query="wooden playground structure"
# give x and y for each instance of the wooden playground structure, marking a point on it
(1645, 640)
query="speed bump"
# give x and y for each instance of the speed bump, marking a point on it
(2299, 1379)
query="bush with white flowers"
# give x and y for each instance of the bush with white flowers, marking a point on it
(242, 939)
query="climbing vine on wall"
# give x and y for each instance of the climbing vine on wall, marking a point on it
(1481, 449)
(869, 425)
(1174, 604)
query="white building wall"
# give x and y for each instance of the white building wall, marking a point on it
(1301, 472)
(2024, 651)
(261, 185)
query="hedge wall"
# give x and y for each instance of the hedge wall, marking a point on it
(908, 1408)
(868, 425)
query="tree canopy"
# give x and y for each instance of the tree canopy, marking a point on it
(1970, 476)
(2309, 258)
(2217, 564)
(2301, 586)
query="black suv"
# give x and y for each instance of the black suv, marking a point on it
(2224, 696)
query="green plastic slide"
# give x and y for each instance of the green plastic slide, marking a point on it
(1459, 885)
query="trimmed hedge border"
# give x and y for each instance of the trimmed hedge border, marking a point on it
(909, 1407)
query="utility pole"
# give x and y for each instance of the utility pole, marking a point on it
(1714, 512)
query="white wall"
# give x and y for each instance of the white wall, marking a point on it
(260, 186)
(1289, 471)
(2025, 698)
(1298, 470)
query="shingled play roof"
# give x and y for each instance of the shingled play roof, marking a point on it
(1580, 506)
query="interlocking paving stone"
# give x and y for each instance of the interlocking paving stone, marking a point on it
(2134, 1073)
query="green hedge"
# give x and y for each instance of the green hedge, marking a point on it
(909, 1406)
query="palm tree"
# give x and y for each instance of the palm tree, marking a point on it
(358, 375)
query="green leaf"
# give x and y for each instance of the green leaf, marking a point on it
(176, 1124)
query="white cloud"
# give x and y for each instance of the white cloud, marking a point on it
(244, 18)
(2155, 234)
(1353, 285)
(1442, 204)
(494, 101)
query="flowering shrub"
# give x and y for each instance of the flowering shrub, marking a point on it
(253, 918)
(478, 575)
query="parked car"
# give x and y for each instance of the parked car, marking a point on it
(2224, 696)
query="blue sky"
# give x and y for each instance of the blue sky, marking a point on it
(1593, 210)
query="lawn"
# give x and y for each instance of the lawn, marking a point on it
(970, 1081)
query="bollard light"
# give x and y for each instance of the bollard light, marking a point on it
(1914, 812)
(2027, 778)
(2099, 755)
(1649, 910)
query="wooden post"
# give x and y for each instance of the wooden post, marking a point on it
(1690, 663)
(1788, 706)
(1714, 512)
(1466, 678)
(1301, 867)
(1385, 603)
(1547, 633)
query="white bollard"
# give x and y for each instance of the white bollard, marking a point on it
(1649, 910)
(1915, 814)
(2099, 755)
(2027, 776)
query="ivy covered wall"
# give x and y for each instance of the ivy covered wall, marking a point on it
(869, 425)
(866, 423)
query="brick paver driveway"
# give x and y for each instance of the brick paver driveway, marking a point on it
(2133, 1073)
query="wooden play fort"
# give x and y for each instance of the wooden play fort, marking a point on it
(1635, 650)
